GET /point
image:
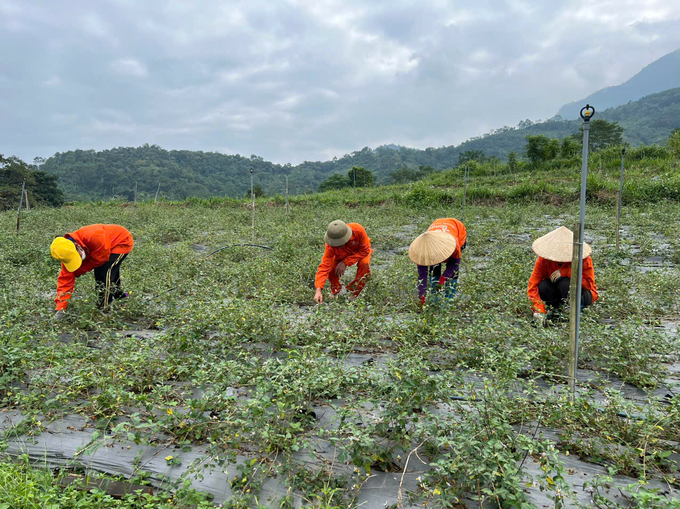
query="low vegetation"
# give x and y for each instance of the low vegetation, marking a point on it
(227, 351)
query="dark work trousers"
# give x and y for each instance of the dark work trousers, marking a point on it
(555, 294)
(107, 280)
(435, 271)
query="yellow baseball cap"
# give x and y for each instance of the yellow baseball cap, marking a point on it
(65, 251)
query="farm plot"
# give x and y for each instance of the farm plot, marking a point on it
(219, 376)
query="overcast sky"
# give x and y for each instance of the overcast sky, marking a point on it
(302, 80)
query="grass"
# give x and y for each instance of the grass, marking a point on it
(196, 329)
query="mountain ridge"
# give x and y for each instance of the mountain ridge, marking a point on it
(658, 76)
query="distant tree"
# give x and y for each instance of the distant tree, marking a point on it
(603, 134)
(41, 187)
(364, 177)
(403, 176)
(257, 191)
(569, 147)
(471, 155)
(37, 161)
(540, 148)
(335, 181)
(512, 161)
(674, 142)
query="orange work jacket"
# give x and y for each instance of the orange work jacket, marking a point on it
(358, 248)
(454, 228)
(544, 268)
(99, 241)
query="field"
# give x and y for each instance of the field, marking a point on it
(219, 382)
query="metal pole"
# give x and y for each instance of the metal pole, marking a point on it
(135, 194)
(287, 205)
(618, 205)
(21, 202)
(155, 200)
(573, 302)
(586, 114)
(252, 197)
(355, 183)
(465, 176)
(28, 207)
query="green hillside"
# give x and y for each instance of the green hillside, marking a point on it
(91, 175)
(660, 75)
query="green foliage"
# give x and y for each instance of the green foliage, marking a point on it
(512, 161)
(335, 181)
(603, 134)
(360, 177)
(471, 155)
(540, 148)
(228, 352)
(674, 143)
(405, 175)
(41, 188)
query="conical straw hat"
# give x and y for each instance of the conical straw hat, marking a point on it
(558, 246)
(431, 248)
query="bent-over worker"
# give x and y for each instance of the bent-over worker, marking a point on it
(443, 242)
(550, 280)
(98, 247)
(346, 245)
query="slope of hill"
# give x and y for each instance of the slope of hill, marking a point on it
(658, 76)
(90, 175)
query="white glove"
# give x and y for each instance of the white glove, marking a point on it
(540, 319)
(59, 315)
(555, 276)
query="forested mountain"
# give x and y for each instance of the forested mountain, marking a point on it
(90, 175)
(660, 75)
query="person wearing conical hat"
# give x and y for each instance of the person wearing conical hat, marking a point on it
(346, 245)
(549, 282)
(443, 242)
(98, 247)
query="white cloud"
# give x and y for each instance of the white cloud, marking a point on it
(130, 67)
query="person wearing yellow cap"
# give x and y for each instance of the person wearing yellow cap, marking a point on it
(346, 245)
(443, 242)
(550, 279)
(98, 247)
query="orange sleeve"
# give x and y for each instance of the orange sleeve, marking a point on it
(65, 284)
(565, 271)
(588, 281)
(327, 262)
(363, 251)
(537, 276)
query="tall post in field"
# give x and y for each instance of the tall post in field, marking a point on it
(587, 113)
(287, 203)
(155, 200)
(354, 168)
(620, 199)
(135, 194)
(28, 207)
(465, 179)
(574, 304)
(252, 197)
(21, 202)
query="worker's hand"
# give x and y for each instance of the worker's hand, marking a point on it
(422, 301)
(340, 269)
(442, 281)
(555, 276)
(540, 319)
(59, 315)
(318, 296)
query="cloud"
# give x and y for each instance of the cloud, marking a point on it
(303, 79)
(129, 67)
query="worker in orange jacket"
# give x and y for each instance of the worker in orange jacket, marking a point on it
(550, 280)
(346, 245)
(98, 247)
(443, 242)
